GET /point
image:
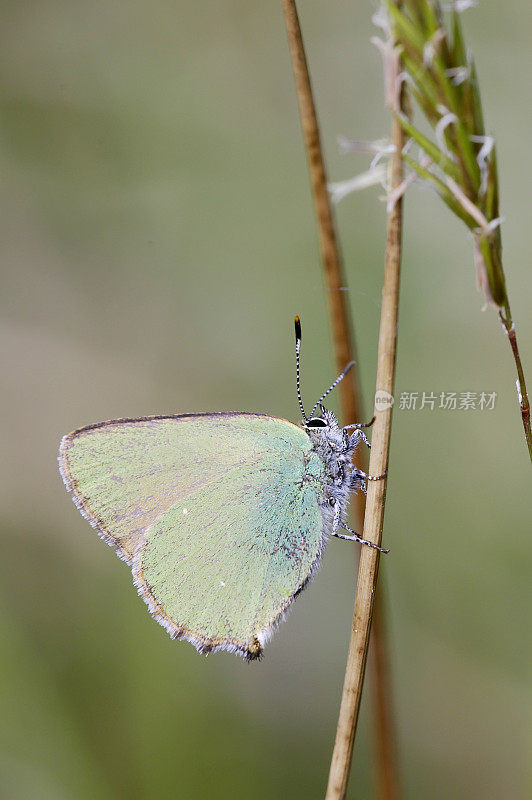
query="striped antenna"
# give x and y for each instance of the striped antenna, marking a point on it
(340, 377)
(297, 323)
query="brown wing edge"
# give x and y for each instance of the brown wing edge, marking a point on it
(250, 650)
(81, 502)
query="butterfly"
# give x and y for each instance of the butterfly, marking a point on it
(222, 517)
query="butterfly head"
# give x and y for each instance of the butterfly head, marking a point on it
(332, 441)
(325, 430)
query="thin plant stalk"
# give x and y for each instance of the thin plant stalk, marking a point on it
(329, 249)
(522, 395)
(386, 766)
(350, 395)
(373, 521)
(350, 398)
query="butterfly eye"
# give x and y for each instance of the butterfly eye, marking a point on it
(316, 422)
(332, 501)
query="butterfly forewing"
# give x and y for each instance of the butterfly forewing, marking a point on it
(124, 473)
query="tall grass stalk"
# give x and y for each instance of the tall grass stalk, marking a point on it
(460, 161)
(375, 502)
(350, 397)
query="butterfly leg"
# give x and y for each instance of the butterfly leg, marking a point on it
(357, 436)
(360, 424)
(337, 523)
(360, 478)
(356, 538)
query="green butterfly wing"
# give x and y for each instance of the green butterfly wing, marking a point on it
(218, 515)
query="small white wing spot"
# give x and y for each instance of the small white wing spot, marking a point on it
(222, 583)
(185, 511)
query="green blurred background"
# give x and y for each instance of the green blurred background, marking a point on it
(157, 238)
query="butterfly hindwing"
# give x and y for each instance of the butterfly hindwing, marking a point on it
(221, 568)
(217, 513)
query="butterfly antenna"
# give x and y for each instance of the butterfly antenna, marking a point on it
(340, 377)
(297, 323)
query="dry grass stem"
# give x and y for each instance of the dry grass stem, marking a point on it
(350, 397)
(329, 249)
(380, 444)
(386, 765)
